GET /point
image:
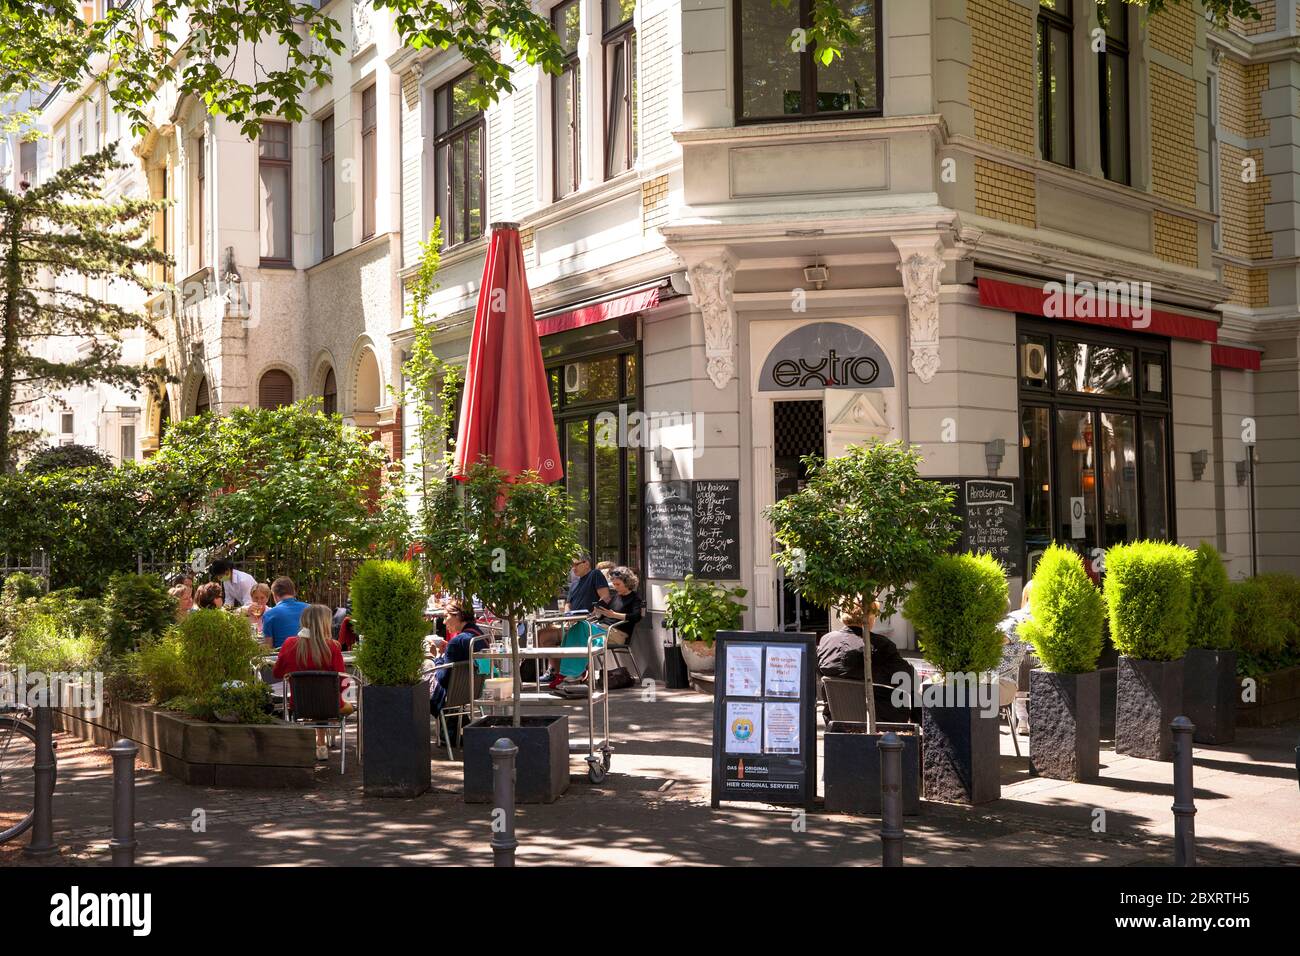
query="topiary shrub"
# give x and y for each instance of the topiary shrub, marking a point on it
(214, 647)
(1147, 591)
(955, 607)
(136, 606)
(1066, 614)
(1260, 630)
(1209, 613)
(388, 615)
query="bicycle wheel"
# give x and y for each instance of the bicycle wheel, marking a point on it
(17, 777)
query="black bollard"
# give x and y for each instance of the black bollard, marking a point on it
(1184, 797)
(123, 842)
(503, 789)
(891, 800)
(42, 842)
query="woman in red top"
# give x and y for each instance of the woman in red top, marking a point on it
(313, 650)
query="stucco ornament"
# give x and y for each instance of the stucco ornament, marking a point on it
(711, 288)
(362, 29)
(921, 269)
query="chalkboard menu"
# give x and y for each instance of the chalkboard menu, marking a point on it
(693, 527)
(765, 718)
(992, 519)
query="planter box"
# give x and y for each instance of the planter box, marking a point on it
(541, 766)
(961, 756)
(395, 740)
(1109, 678)
(1148, 696)
(1210, 694)
(1065, 725)
(196, 752)
(851, 767)
(1277, 699)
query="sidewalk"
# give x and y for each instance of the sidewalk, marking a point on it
(653, 809)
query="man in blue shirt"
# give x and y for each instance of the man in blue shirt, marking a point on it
(281, 622)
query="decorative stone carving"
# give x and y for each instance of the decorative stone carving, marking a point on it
(363, 31)
(921, 266)
(711, 289)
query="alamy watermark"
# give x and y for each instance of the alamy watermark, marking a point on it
(1089, 300)
(637, 429)
(75, 690)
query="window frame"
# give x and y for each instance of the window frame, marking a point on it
(201, 197)
(369, 162)
(1117, 47)
(572, 64)
(449, 138)
(1047, 20)
(287, 163)
(1212, 91)
(328, 190)
(621, 35)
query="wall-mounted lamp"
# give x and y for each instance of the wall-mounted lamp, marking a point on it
(664, 462)
(1243, 471)
(994, 452)
(816, 276)
(1199, 460)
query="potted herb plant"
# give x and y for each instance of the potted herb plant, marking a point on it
(388, 614)
(1066, 617)
(1147, 591)
(956, 607)
(865, 525)
(698, 610)
(1210, 667)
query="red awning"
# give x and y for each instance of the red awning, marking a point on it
(1032, 300)
(629, 303)
(1230, 356)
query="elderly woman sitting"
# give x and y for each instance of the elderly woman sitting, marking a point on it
(612, 620)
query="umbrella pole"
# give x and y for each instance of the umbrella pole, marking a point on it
(516, 678)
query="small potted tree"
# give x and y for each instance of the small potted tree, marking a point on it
(698, 610)
(388, 614)
(1066, 616)
(1210, 667)
(863, 528)
(1147, 591)
(956, 607)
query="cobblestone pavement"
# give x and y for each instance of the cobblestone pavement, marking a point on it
(653, 809)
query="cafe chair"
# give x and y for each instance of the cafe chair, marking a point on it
(463, 688)
(623, 652)
(312, 700)
(845, 701)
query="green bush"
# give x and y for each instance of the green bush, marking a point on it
(956, 607)
(125, 679)
(158, 664)
(1285, 589)
(1148, 590)
(1261, 631)
(136, 606)
(56, 632)
(388, 615)
(64, 457)
(20, 586)
(215, 647)
(1210, 613)
(235, 701)
(1066, 614)
(699, 609)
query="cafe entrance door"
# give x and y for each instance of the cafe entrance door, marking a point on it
(798, 429)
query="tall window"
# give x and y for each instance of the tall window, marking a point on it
(775, 79)
(275, 389)
(27, 161)
(79, 141)
(127, 437)
(201, 199)
(459, 162)
(566, 102)
(1055, 82)
(1216, 183)
(275, 168)
(1112, 69)
(327, 186)
(619, 46)
(368, 161)
(202, 397)
(330, 393)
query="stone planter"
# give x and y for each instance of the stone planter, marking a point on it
(1210, 692)
(1148, 696)
(1065, 725)
(1277, 699)
(541, 766)
(1108, 677)
(395, 740)
(851, 767)
(698, 657)
(961, 755)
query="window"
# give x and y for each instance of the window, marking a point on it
(1055, 82)
(774, 80)
(127, 439)
(202, 398)
(327, 186)
(1112, 69)
(619, 45)
(368, 160)
(459, 161)
(566, 102)
(275, 390)
(60, 153)
(1216, 183)
(274, 168)
(201, 200)
(27, 162)
(67, 422)
(330, 394)
(79, 140)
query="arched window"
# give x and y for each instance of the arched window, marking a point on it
(164, 416)
(202, 401)
(275, 390)
(330, 393)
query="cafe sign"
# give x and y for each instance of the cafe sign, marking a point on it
(825, 355)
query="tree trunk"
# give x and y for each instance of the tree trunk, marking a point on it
(866, 668)
(9, 353)
(516, 678)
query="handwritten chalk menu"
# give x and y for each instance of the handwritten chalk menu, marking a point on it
(993, 519)
(764, 718)
(693, 527)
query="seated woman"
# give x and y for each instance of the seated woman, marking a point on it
(313, 650)
(616, 619)
(259, 596)
(210, 596)
(462, 631)
(184, 595)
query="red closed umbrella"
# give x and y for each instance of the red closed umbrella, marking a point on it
(506, 412)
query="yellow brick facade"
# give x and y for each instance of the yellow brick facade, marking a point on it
(1173, 32)
(1243, 195)
(1266, 23)
(654, 202)
(1175, 239)
(1005, 192)
(1173, 135)
(1002, 73)
(1240, 88)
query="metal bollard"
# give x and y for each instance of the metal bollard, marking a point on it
(503, 790)
(42, 842)
(1184, 797)
(123, 843)
(891, 800)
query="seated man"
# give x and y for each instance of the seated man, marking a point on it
(282, 621)
(587, 589)
(839, 654)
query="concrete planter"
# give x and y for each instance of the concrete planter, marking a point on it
(1109, 677)
(698, 657)
(851, 767)
(1277, 699)
(541, 766)
(395, 740)
(1065, 725)
(961, 755)
(1210, 694)
(1148, 696)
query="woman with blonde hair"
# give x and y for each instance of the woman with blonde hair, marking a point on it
(313, 650)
